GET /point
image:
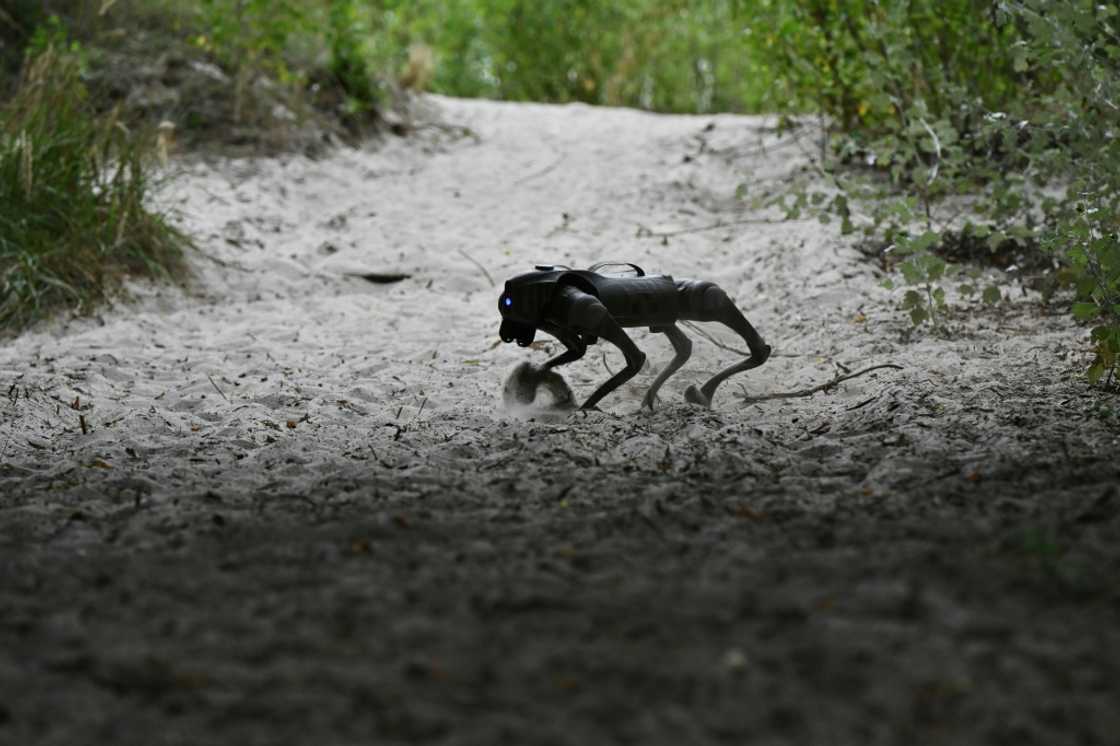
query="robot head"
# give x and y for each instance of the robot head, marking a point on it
(523, 303)
(523, 333)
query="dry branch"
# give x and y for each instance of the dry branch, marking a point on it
(542, 172)
(220, 392)
(816, 389)
(475, 262)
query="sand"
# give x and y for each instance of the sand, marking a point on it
(285, 504)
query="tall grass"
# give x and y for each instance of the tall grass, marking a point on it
(74, 188)
(662, 55)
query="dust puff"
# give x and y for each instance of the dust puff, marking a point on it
(522, 391)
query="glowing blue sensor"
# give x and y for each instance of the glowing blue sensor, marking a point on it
(509, 301)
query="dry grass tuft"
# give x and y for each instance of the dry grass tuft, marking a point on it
(74, 189)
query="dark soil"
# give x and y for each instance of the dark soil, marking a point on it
(606, 580)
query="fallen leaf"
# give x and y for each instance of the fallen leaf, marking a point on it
(749, 513)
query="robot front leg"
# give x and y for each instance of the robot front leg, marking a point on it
(635, 359)
(572, 341)
(585, 313)
(527, 379)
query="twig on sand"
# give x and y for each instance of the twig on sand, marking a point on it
(475, 262)
(220, 392)
(863, 403)
(456, 130)
(221, 262)
(542, 172)
(816, 389)
(644, 232)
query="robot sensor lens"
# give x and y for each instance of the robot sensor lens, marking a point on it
(509, 301)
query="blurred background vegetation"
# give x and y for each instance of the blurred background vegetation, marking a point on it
(1013, 102)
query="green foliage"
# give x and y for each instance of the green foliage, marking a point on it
(1015, 102)
(925, 270)
(349, 63)
(249, 36)
(276, 37)
(1082, 41)
(884, 66)
(664, 55)
(250, 31)
(73, 188)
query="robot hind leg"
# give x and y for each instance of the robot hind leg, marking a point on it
(706, 301)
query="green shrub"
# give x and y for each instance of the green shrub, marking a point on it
(1013, 102)
(349, 65)
(73, 188)
(868, 64)
(249, 36)
(676, 55)
(1081, 42)
(302, 45)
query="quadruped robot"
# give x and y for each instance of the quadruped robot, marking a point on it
(580, 307)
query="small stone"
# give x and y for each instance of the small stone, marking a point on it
(735, 660)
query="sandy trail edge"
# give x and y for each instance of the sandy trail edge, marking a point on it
(299, 514)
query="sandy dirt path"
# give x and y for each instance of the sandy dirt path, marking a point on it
(298, 512)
